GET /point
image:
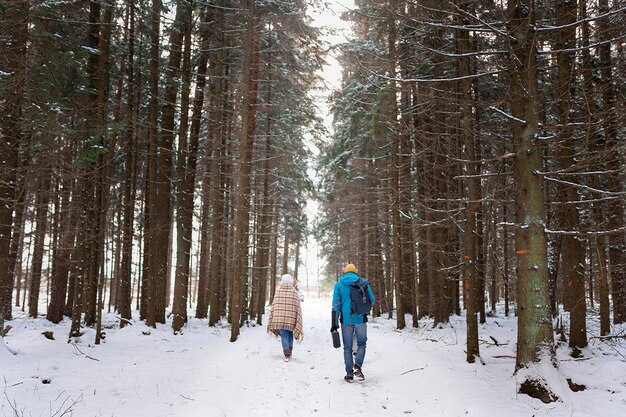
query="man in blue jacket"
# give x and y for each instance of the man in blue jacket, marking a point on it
(351, 324)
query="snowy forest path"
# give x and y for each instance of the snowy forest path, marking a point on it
(142, 371)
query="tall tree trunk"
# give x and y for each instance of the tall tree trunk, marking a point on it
(14, 56)
(218, 88)
(296, 261)
(473, 194)
(145, 297)
(398, 270)
(88, 254)
(274, 250)
(439, 282)
(594, 147)
(94, 114)
(61, 257)
(41, 221)
(534, 340)
(81, 252)
(155, 237)
(572, 250)
(202, 304)
(615, 164)
(285, 257)
(266, 203)
(19, 217)
(105, 164)
(124, 299)
(425, 180)
(505, 251)
(248, 124)
(160, 199)
(376, 273)
(209, 181)
(186, 183)
(408, 260)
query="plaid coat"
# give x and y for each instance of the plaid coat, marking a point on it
(286, 312)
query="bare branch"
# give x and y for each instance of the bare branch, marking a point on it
(582, 187)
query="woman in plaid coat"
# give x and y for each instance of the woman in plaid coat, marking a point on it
(286, 315)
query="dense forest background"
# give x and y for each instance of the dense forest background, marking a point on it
(155, 158)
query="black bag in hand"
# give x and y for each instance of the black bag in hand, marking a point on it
(333, 330)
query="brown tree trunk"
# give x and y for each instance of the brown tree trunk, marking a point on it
(218, 118)
(124, 298)
(296, 261)
(482, 242)
(91, 187)
(572, 250)
(285, 257)
(396, 226)
(534, 339)
(81, 252)
(145, 296)
(105, 164)
(408, 260)
(505, 251)
(209, 181)
(473, 195)
(186, 179)
(274, 250)
(266, 204)
(13, 266)
(41, 220)
(155, 237)
(93, 162)
(10, 136)
(425, 180)
(62, 253)
(202, 304)
(163, 215)
(374, 248)
(248, 126)
(615, 164)
(439, 283)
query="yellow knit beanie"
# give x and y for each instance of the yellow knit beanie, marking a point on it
(350, 268)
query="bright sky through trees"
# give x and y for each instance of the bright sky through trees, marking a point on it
(335, 31)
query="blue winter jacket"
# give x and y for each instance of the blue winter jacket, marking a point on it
(341, 299)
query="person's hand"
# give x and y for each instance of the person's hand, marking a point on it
(334, 328)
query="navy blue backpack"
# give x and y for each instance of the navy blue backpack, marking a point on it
(359, 298)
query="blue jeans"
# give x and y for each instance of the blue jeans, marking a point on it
(286, 338)
(347, 330)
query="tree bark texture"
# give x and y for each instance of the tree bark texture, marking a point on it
(248, 127)
(534, 339)
(14, 53)
(572, 250)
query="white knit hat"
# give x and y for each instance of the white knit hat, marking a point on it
(286, 278)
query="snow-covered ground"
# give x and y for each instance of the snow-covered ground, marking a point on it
(138, 371)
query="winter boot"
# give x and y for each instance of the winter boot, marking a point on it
(358, 372)
(348, 378)
(287, 353)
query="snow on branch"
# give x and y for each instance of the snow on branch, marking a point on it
(433, 80)
(583, 187)
(595, 45)
(585, 233)
(509, 116)
(496, 30)
(579, 173)
(463, 55)
(579, 22)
